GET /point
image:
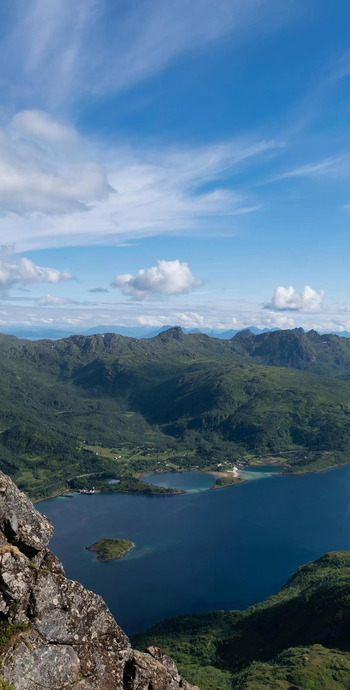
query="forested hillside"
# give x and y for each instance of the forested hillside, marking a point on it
(297, 639)
(198, 398)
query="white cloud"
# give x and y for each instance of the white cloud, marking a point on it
(165, 279)
(44, 168)
(14, 270)
(289, 299)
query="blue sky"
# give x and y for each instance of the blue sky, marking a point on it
(175, 163)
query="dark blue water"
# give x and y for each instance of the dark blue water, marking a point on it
(201, 551)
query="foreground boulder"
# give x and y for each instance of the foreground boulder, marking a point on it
(55, 634)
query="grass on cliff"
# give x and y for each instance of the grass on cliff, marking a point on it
(7, 632)
(4, 685)
(299, 638)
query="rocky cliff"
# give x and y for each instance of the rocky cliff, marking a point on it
(54, 634)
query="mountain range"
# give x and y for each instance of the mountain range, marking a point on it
(201, 399)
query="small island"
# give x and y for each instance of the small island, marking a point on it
(226, 480)
(111, 549)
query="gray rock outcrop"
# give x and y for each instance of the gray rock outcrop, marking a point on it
(62, 636)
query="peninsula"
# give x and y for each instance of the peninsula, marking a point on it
(111, 549)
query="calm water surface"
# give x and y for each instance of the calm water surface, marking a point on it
(192, 482)
(203, 550)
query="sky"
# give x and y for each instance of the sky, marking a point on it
(180, 163)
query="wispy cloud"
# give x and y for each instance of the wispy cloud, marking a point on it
(339, 68)
(326, 167)
(60, 49)
(49, 175)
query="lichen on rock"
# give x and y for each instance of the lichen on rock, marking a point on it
(64, 636)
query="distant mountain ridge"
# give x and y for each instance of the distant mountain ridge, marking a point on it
(39, 333)
(327, 354)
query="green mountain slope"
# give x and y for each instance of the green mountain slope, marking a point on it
(299, 638)
(204, 399)
(256, 408)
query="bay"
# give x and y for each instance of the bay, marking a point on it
(192, 482)
(203, 550)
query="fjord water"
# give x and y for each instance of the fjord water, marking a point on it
(187, 481)
(200, 481)
(204, 550)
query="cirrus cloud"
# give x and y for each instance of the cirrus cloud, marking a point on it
(288, 299)
(66, 49)
(165, 279)
(48, 173)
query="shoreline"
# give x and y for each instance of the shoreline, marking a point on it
(215, 473)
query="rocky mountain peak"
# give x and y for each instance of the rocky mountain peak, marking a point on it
(60, 635)
(172, 333)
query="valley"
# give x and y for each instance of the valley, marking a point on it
(85, 408)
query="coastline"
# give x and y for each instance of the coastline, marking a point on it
(270, 461)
